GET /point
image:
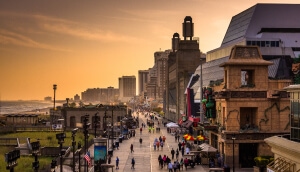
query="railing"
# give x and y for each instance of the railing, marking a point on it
(8, 141)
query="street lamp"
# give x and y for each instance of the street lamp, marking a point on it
(86, 126)
(233, 138)
(74, 144)
(35, 150)
(112, 127)
(60, 138)
(11, 159)
(54, 89)
(96, 122)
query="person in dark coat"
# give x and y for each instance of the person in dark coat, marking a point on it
(173, 153)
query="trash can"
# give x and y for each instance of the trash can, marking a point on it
(110, 152)
(120, 139)
(226, 169)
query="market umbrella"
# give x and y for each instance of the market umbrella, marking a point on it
(186, 135)
(200, 137)
(190, 138)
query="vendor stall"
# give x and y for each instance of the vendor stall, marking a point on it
(207, 152)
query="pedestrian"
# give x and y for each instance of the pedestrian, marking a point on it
(164, 138)
(187, 150)
(164, 159)
(170, 167)
(109, 159)
(179, 146)
(174, 166)
(160, 139)
(178, 137)
(132, 163)
(154, 145)
(172, 152)
(178, 165)
(141, 130)
(117, 163)
(177, 153)
(186, 163)
(182, 151)
(175, 137)
(162, 145)
(161, 163)
(141, 140)
(157, 145)
(131, 148)
(181, 164)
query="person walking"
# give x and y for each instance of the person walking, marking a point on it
(117, 163)
(179, 146)
(177, 153)
(175, 166)
(154, 145)
(141, 140)
(181, 164)
(157, 145)
(186, 163)
(132, 163)
(182, 151)
(141, 130)
(173, 153)
(170, 167)
(162, 145)
(131, 148)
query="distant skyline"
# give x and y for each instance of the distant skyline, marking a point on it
(90, 44)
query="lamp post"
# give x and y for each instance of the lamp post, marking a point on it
(74, 144)
(86, 126)
(96, 122)
(78, 151)
(35, 150)
(11, 159)
(233, 138)
(54, 89)
(60, 138)
(112, 126)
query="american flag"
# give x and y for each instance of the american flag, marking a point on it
(87, 157)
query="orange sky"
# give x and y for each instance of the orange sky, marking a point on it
(90, 44)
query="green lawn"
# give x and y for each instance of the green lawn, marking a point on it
(46, 139)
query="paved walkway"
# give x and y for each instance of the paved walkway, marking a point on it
(145, 156)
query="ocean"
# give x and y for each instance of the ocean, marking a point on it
(12, 107)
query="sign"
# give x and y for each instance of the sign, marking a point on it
(56, 126)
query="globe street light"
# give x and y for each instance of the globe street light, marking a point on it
(54, 89)
(74, 144)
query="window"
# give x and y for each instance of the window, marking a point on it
(263, 43)
(247, 79)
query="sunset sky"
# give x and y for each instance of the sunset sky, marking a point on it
(90, 44)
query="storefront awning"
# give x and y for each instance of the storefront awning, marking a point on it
(187, 124)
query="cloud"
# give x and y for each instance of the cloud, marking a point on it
(12, 38)
(80, 30)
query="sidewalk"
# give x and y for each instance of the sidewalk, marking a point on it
(146, 158)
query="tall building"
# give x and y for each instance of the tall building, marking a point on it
(127, 87)
(143, 79)
(76, 98)
(182, 63)
(101, 95)
(161, 65)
